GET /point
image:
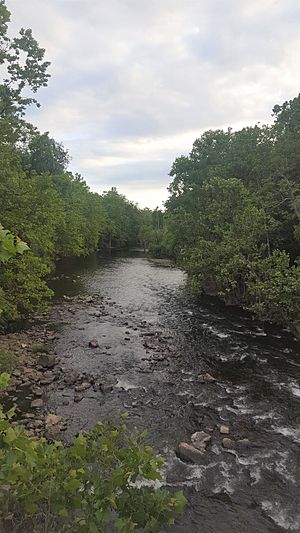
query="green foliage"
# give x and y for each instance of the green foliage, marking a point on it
(99, 480)
(233, 215)
(22, 60)
(122, 220)
(274, 288)
(10, 245)
(23, 288)
(8, 361)
(40, 348)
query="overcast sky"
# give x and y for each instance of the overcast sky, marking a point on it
(134, 82)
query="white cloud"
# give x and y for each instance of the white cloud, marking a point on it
(135, 82)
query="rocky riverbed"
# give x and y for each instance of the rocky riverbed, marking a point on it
(218, 393)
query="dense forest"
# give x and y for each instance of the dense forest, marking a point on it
(233, 216)
(41, 202)
(231, 221)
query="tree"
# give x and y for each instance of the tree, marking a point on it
(22, 61)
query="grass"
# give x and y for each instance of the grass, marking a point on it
(40, 348)
(8, 361)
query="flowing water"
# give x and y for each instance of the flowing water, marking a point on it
(154, 340)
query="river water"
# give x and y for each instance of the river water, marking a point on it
(154, 340)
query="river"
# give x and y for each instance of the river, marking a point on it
(154, 341)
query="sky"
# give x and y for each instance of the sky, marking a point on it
(135, 82)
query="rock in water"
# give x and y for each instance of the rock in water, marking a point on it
(187, 452)
(71, 377)
(93, 343)
(200, 439)
(206, 378)
(37, 403)
(83, 386)
(229, 444)
(224, 430)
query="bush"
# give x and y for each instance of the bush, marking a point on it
(23, 287)
(8, 361)
(85, 487)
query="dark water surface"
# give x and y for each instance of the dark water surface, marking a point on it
(154, 340)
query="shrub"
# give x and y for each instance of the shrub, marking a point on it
(95, 482)
(8, 361)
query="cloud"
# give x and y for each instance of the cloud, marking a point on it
(135, 82)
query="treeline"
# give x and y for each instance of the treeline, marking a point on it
(41, 202)
(233, 216)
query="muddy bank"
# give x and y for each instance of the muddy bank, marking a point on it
(218, 393)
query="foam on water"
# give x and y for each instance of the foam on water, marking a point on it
(293, 433)
(281, 517)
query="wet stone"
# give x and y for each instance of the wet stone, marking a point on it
(187, 452)
(200, 439)
(206, 378)
(71, 377)
(78, 397)
(224, 430)
(93, 343)
(37, 403)
(83, 386)
(229, 444)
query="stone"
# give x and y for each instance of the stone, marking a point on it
(37, 403)
(106, 387)
(93, 343)
(37, 391)
(206, 378)
(71, 377)
(187, 452)
(47, 360)
(52, 420)
(229, 444)
(224, 430)
(200, 439)
(23, 345)
(83, 386)
(78, 397)
(47, 378)
(52, 336)
(38, 423)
